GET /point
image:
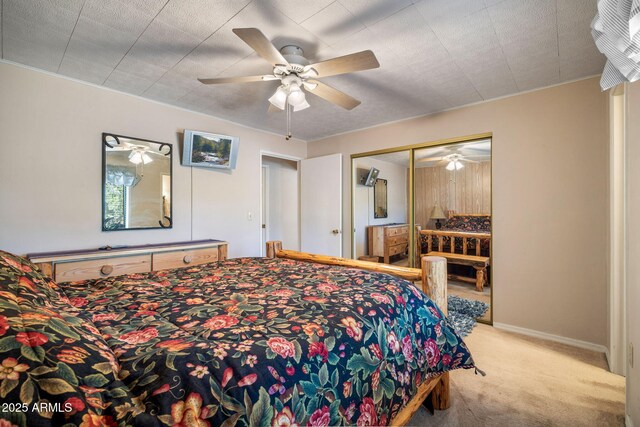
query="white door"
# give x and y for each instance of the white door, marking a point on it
(321, 205)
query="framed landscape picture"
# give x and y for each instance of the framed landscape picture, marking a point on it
(209, 150)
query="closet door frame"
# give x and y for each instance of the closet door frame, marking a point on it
(410, 199)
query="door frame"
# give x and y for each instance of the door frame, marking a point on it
(264, 208)
(284, 157)
(411, 149)
(617, 350)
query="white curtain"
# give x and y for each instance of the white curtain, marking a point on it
(616, 31)
(122, 175)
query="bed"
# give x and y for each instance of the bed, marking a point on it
(465, 240)
(471, 234)
(247, 341)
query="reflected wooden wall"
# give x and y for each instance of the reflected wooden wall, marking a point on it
(465, 191)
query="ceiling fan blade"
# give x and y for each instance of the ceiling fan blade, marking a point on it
(244, 79)
(261, 44)
(360, 61)
(334, 96)
(430, 159)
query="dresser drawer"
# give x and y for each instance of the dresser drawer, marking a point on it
(101, 267)
(396, 240)
(398, 249)
(394, 231)
(178, 259)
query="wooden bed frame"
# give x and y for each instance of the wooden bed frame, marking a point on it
(434, 392)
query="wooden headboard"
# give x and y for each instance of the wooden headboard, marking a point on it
(451, 214)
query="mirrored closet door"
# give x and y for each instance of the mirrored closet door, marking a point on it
(452, 214)
(429, 199)
(381, 229)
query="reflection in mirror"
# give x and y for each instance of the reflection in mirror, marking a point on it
(136, 183)
(380, 212)
(453, 215)
(380, 198)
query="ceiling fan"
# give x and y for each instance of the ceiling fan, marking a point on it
(295, 72)
(454, 160)
(138, 153)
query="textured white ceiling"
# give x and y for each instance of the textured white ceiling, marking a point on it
(434, 54)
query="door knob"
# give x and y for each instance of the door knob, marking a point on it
(335, 231)
(106, 270)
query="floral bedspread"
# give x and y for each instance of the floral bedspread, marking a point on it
(249, 341)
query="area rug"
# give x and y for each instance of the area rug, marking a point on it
(464, 312)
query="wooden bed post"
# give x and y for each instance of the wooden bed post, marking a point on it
(273, 247)
(434, 284)
(434, 280)
(418, 244)
(440, 393)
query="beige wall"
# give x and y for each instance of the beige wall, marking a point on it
(633, 242)
(549, 222)
(465, 191)
(50, 167)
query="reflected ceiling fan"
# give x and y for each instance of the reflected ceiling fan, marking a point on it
(139, 154)
(295, 73)
(455, 159)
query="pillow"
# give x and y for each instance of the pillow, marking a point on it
(55, 368)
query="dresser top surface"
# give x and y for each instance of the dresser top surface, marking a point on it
(110, 251)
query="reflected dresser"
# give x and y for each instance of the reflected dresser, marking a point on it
(388, 240)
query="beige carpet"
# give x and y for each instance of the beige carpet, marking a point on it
(530, 382)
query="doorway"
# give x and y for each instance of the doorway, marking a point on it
(280, 201)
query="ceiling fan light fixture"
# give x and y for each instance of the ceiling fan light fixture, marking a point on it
(138, 156)
(135, 157)
(310, 86)
(279, 98)
(451, 166)
(304, 105)
(458, 165)
(296, 96)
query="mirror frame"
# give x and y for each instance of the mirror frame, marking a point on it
(169, 153)
(379, 187)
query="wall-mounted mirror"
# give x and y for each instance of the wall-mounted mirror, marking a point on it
(136, 183)
(380, 199)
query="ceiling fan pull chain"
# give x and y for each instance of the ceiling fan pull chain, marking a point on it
(288, 108)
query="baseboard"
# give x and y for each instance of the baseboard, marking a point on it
(607, 356)
(556, 338)
(627, 421)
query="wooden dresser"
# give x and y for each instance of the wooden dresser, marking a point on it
(69, 266)
(388, 240)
